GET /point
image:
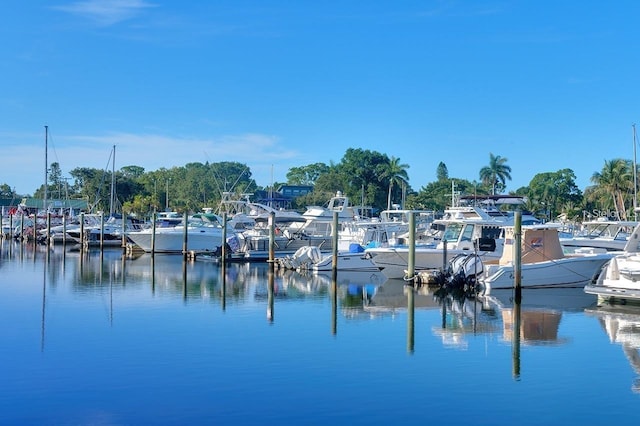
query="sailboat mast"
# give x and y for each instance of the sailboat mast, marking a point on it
(635, 177)
(113, 182)
(46, 166)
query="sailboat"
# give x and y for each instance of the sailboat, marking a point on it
(107, 232)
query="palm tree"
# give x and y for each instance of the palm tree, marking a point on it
(396, 173)
(614, 181)
(497, 172)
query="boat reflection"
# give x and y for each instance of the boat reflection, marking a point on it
(622, 325)
(536, 321)
(540, 312)
(463, 315)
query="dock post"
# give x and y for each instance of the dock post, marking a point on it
(153, 233)
(185, 236)
(444, 256)
(411, 266)
(517, 277)
(223, 249)
(517, 256)
(101, 233)
(48, 240)
(410, 288)
(81, 232)
(272, 237)
(123, 244)
(334, 239)
(64, 230)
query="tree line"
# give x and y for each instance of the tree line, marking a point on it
(367, 177)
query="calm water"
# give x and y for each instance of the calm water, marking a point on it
(113, 340)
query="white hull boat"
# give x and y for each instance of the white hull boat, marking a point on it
(543, 262)
(619, 280)
(310, 258)
(482, 236)
(611, 235)
(204, 233)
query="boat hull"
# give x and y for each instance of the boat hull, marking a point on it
(565, 272)
(173, 242)
(393, 262)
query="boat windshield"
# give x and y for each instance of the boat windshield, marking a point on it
(452, 232)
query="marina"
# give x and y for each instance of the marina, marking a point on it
(104, 337)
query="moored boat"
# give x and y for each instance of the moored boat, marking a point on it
(619, 279)
(543, 262)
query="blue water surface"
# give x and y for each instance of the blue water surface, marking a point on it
(110, 339)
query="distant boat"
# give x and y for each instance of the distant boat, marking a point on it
(204, 233)
(601, 233)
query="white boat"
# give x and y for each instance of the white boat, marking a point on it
(468, 230)
(543, 262)
(293, 232)
(204, 233)
(619, 280)
(601, 233)
(95, 233)
(310, 258)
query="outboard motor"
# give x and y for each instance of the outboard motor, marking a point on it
(464, 272)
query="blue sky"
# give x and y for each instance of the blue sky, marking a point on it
(275, 84)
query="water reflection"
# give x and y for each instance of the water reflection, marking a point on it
(622, 326)
(357, 295)
(541, 312)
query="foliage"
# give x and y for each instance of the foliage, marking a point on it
(496, 173)
(555, 193)
(395, 173)
(365, 176)
(437, 195)
(612, 183)
(7, 192)
(306, 175)
(442, 173)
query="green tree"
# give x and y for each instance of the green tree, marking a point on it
(555, 192)
(615, 180)
(496, 173)
(441, 172)
(133, 172)
(396, 173)
(359, 169)
(306, 175)
(437, 195)
(6, 191)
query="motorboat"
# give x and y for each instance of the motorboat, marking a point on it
(293, 232)
(543, 262)
(619, 279)
(310, 258)
(601, 233)
(204, 232)
(96, 232)
(471, 230)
